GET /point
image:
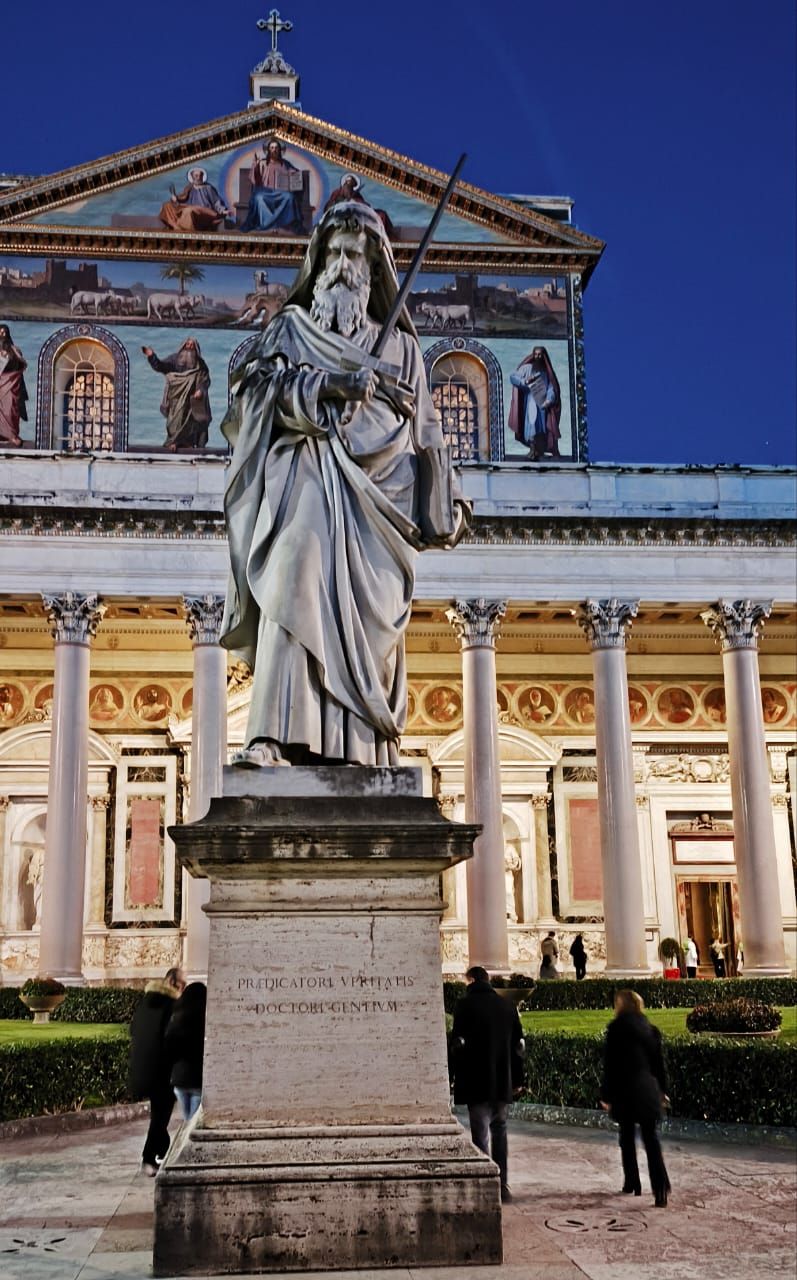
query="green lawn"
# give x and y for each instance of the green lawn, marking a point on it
(21, 1032)
(671, 1022)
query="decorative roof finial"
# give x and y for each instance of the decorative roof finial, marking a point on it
(274, 24)
(274, 79)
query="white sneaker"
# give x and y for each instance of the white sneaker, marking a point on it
(149, 1169)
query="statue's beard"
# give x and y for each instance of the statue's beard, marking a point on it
(340, 298)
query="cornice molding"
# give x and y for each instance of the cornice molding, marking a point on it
(292, 126)
(112, 522)
(26, 239)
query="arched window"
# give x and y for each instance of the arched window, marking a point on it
(459, 392)
(82, 391)
(465, 382)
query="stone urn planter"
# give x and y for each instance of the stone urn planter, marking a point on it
(740, 1035)
(740, 1018)
(42, 996)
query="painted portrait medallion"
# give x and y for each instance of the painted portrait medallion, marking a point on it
(580, 706)
(675, 706)
(152, 703)
(12, 700)
(536, 705)
(105, 703)
(443, 704)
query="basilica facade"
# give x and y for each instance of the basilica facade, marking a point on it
(601, 673)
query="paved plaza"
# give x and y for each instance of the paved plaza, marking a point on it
(73, 1206)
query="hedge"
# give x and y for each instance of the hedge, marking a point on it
(82, 1004)
(62, 1075)
(728, 1082)
(657, 993)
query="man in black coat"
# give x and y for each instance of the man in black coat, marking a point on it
(150, 1065)
(487, 1065)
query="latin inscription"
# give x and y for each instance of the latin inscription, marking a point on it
(353, 995)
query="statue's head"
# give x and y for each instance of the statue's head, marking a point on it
(348, 271)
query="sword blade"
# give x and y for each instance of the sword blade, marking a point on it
(415, 265)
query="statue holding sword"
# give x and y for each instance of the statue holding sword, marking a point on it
(339, 477)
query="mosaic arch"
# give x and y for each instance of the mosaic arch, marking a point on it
(495, 397)
(54, 348)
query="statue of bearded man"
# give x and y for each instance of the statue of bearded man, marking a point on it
(338, 479)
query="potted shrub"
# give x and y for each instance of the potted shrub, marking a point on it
(739, 1017)
(670, 956)
(42, 996)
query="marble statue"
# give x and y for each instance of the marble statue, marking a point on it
(512, 867)
(34, 879)
(339, 477)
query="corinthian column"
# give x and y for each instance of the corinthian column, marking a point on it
(736, 625)
(73, 620)
(208, 754)
(476, 623)
(604, 623)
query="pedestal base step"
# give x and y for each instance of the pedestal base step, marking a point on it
(227, 1208)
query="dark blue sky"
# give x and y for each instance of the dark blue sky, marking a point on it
(670, 122)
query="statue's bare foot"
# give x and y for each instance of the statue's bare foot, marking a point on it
(261, 755)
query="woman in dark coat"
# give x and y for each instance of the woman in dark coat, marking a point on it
(185, 1046)
(633, 1090)
(579, 956)
(149, 1063)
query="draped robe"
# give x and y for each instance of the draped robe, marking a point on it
(323, 525)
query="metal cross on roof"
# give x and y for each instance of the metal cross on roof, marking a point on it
(274, 24)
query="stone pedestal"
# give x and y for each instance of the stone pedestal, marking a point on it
(325, 1139)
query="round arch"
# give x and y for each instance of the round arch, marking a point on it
(53, 347)
(495, 383)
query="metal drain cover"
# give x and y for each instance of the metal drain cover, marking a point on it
(580, 1223)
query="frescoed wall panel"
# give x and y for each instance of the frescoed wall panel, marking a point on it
(157, 307)
(263, 187)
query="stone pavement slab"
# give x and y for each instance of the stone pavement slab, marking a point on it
(74, 1206)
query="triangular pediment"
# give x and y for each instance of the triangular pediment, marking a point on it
(131, 193)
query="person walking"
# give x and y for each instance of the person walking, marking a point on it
(550, 947)
(185, 1046)
(487, 1065)
(579, 956)
(633, 1091)
(149, 1065)
(692, 957)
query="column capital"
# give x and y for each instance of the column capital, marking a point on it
(203, 615)
(540, 801)
(5, 801)
(606, 622)
(73, 618)
(476, 622)
(737, 624)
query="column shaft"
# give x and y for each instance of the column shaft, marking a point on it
(208, 754)
(736, 625)
(605, 622)
(753, 824)
(543, 859)
(475, 622)
(74, 619)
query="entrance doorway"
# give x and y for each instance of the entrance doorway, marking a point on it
(708, 912)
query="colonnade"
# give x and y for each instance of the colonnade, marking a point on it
(74, 619)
